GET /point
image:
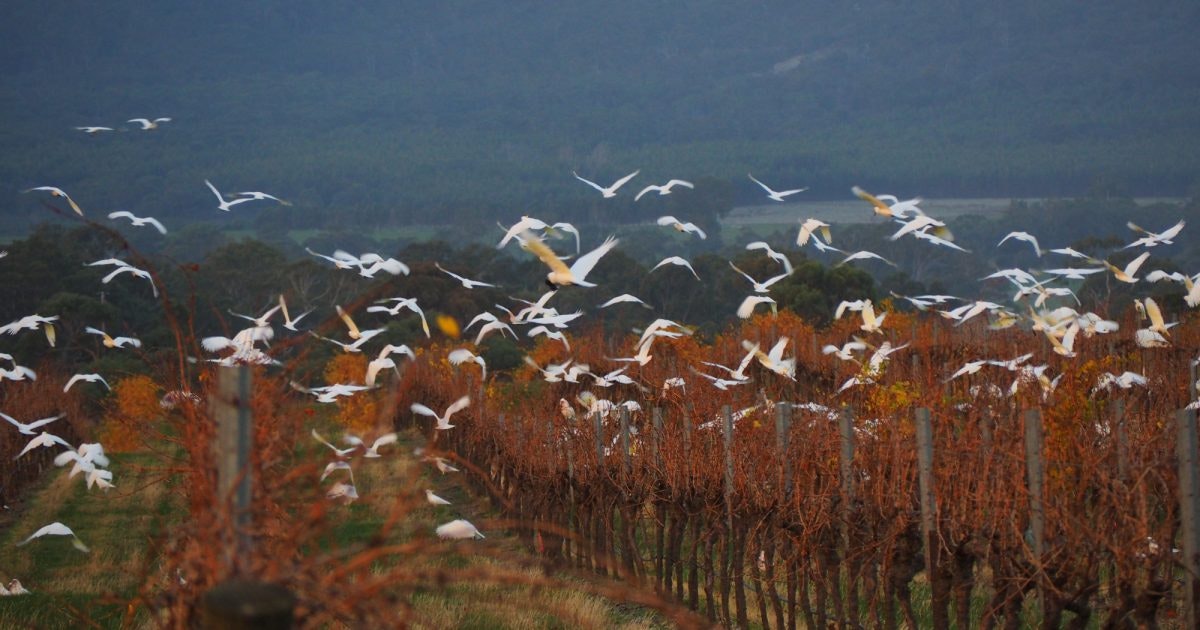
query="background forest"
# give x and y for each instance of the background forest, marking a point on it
(390, 114)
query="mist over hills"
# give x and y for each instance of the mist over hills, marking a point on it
(398, 113)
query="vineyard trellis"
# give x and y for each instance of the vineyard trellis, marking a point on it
(806, 516)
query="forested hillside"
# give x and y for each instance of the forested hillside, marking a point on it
(400, 113)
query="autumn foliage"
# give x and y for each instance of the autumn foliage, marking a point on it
(358, 414)
(134, 404)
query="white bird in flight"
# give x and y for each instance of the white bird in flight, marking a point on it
(550, 334)
(93, 130)
(27, 429)
(682, 227)
(746, 309)
(363, 337)
(373, 451)
(434, 499)
(772, 254)
(846, 352)
(463, 355)
(624, 297)
(664, 189)
(443, 421)
(354, 333)
(56, 529)
(493, 326)
(808, 227)
(148, 124)
(560, 275)
(760, 287)
(339, 452)
(1152, 239)
(1126, 274)
(879, 207)
(90, 378)
(32, 322)
(123, 267)
(114, 342)
(288, 322)
(611, 191)
(375, 366)
(259, 196)
(863, 255)
(676, 260)
(223, 203)
(58, 192)
(773, 194)
(138, 221)
(466, 282)
(1023, 236)
(44, 440)
(401, 303)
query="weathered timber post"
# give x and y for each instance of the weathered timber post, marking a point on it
(1034, 441)
(231, 411)
(727, 414)
(238, 603)
(1118, 427)
(941, 618)
(246, 605)
(596, 426)
(626, 463)
(846, 471)
(783, 426)
(1186, 446)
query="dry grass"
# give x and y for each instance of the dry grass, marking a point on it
(73, 589)
(118, 526)
(508, 601)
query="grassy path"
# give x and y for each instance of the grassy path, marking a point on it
(71, 589)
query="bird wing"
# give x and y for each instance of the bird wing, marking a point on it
(217, 193)
(646, 190)
(53, 529)
(570, 229)
(1172, 231)
(384, 440)
(1152, 311)
(317, 437)
(11, 420)
(764, 186)
(418, 408)
(1136, 263)
(880, 207)
(590, 182)
(354, 332)
(585, 262)
(44, 421)
(678, 182)
(373, 370)
(156, 224)
(740, 372)
(735, 268)
(667, 220)
(747, 307)
(457, 406)
(121, 214)
(770, 281)
(621, 182)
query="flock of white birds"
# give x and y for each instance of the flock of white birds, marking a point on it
(1036, 291)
